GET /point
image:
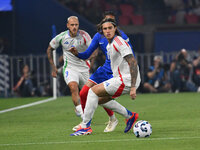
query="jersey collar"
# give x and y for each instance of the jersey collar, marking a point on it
(76, 35)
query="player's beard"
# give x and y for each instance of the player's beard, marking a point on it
(73, 32)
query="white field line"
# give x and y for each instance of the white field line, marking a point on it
(27, 105)
(102, 141)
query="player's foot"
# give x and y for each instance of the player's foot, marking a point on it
(75, 128)
(111, 125)
(131, 121)
(82, 131)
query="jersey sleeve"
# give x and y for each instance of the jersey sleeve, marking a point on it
(122, 46)
(87, 38)
(56, 41)
(92, 47)
(126, 38)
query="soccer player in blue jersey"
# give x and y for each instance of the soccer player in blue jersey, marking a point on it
(103, 73)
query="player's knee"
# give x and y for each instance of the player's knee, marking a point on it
(73, 87)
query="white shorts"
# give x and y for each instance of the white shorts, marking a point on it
(79, 77)
(116, 86)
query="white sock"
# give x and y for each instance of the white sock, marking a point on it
(80, 111)
(112, 118)
(117, 107)
(91, 105)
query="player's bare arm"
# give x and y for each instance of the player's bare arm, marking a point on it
(74, 51)
(134, 71)
(94, 55)
(50, 58)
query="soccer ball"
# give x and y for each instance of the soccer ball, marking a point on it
(142, 129)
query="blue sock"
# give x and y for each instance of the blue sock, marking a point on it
(129, 113)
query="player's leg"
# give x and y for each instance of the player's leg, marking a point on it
(73, 86)
(111, 124)
(84, 93)
(100, 90)
(72, 80)
(83, 98)
(98, 77)
(91, 105)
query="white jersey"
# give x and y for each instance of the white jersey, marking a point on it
(80, 42)
(116, 51)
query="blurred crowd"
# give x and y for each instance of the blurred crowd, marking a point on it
(183, 11)
(26, 85)
(139, 12)
(182, 75)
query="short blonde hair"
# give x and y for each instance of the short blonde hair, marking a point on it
(71, 18)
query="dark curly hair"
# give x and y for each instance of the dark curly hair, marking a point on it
(109, 13)
(99, 26)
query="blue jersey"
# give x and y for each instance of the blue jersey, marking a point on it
(100, 41)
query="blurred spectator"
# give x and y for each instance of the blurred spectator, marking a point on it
(177, 14)
(181, 72)
(24, 86)
(196, 69)
(193, 6)
(44, 89)
(156, 77)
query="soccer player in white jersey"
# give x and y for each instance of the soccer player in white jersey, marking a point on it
(75, 70)
(126, 79)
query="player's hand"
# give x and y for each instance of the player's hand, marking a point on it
(54, 72)
(74, 51)
(133, 93)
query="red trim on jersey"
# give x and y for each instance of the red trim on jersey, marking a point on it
(115, 48)
(121, 87)
(126, 43)
(85, 34)
(87, 63)
(92, 81)
(84, 40)
(118, 41)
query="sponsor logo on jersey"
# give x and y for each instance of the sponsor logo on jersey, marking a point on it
(66, 42)
(101, 42)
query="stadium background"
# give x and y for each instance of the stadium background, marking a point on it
(26, 28)
(25, 32)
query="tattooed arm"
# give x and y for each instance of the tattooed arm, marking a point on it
(134, 71)
(50, 57)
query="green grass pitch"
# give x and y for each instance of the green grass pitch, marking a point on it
(175, 120)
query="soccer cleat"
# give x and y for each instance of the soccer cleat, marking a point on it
(111, 125)
(75, 128)
(131, 121)
(82, 131)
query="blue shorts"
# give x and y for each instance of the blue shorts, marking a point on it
(101, 75)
